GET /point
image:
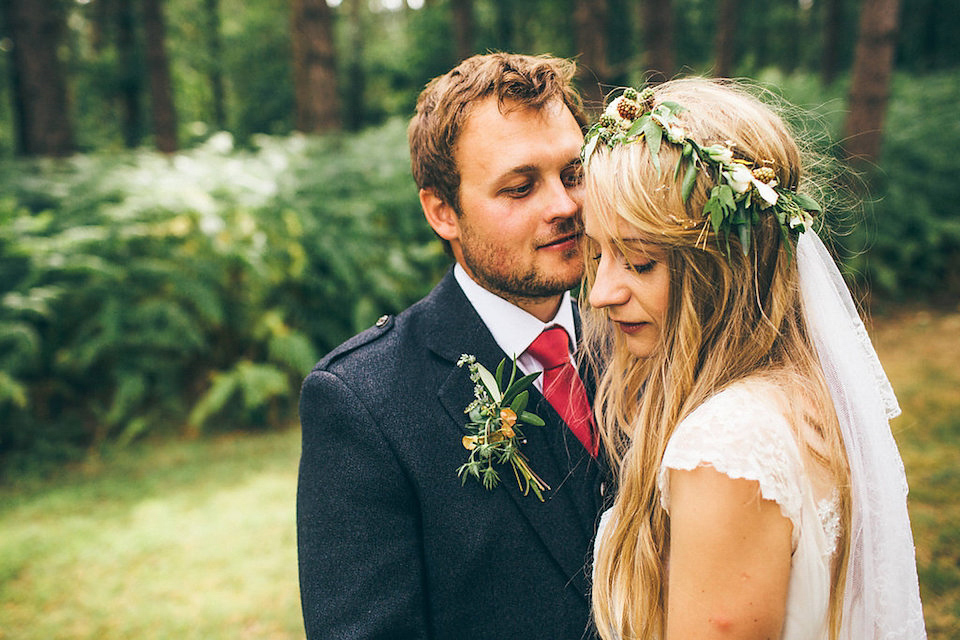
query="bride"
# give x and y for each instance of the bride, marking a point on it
(760, 491)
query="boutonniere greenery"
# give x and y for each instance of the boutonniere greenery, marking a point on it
(496, 414)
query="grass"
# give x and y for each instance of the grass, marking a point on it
(921, 352)
(186, 540)
(196, 539)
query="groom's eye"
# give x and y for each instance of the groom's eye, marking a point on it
(518, 191)
(573, 176)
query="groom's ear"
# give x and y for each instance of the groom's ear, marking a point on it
(440, 215)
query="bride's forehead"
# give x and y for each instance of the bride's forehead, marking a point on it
(605, 225)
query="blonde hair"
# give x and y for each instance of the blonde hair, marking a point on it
(729, 317)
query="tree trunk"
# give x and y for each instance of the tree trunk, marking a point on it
(832, 28)
(870, 87)
(158, 70)
(215, 73)
(590, 22)
(39, 91)
(356, 80)
(314, 67)
(463, 28)
(103, 10)
(506, 32)
(724, 44)
(131, 88)
(657, 20)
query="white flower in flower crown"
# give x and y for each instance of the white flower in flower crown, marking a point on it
(675, 133)
(720, 153)
(766, 191)
(739, 177)
(800, 219)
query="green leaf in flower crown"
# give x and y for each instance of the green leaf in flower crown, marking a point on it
(744, 232)
(653, 134)
(725, 193)
(807, 203)
(685, 158)
(715, 209)
(638, 126)
(591, 145)
(689, 178)
(673, 107)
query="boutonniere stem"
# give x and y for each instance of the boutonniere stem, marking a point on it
(494, 435)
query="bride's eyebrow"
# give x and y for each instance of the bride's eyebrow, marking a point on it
(638, 243)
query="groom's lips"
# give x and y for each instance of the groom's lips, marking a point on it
(566, 241)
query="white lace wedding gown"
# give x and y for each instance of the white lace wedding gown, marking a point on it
(743, 432)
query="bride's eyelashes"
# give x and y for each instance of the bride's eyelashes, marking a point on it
(637, 267)
(643, 267)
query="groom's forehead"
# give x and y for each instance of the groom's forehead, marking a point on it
(494, 127)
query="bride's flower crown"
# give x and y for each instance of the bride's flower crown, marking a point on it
(742, 191)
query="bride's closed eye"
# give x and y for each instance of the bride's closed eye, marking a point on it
(643, 267)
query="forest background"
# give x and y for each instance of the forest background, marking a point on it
(198, 198)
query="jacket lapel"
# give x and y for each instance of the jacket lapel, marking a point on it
(563, 521)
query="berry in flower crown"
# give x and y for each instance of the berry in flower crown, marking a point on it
(743, 189)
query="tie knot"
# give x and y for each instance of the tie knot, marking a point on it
(551, 348)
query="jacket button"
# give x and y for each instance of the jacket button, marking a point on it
(382, 320)
(603, 489)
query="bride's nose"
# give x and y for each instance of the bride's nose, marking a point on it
(609, 287)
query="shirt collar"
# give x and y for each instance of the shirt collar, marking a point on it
(512, 328)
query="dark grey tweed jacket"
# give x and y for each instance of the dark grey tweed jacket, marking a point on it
(391, 545)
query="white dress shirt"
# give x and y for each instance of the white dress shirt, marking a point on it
(514, 329)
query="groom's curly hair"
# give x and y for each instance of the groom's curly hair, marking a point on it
(516, 80)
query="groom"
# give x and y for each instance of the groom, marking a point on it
(391, 543)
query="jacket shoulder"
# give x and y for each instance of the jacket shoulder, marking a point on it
(396, 339)
(382, 328)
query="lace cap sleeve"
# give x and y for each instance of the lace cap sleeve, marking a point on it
(741, 433)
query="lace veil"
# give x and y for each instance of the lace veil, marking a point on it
(882, 596)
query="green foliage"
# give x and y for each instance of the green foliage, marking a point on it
(916, 216)
(140, 291)
(904, 242)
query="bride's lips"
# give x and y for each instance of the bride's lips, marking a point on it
(631, 327)
(566, 241)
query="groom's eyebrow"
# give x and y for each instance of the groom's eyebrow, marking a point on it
(532, 168)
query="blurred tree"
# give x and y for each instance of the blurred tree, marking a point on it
(870, 85)
(39, 90)
(356, 74)
(463, 27)
(215, 63)
(260, 78)
(130, 87)
(590, 32)
(158, 70)
(928, 34)
(829, 50)
(657, 21)
(505, 29)
(314, 67)
(724, 40)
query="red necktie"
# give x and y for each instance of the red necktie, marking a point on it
(562, 386)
